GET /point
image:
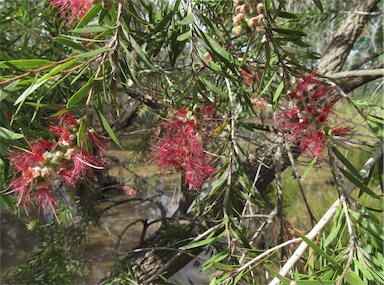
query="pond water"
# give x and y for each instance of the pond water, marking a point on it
(17, 243)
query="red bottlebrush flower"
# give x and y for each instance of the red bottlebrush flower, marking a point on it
(24, 159)
(65, 128)
(46, 201)
(96, 141)
(340, 131)
(306, 122)
(181, 149)
(78, 165)
(22, 189)
(312, 143)
(71, 9)
(249, 75)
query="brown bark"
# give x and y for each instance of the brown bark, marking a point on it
(334, 57)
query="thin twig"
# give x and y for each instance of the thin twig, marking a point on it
(293, 165)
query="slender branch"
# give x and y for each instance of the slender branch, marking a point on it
(34, 71)
(366, 59)
(352, 241)
(266, 253)
(293, 165)
(358, 73)
(325, 219)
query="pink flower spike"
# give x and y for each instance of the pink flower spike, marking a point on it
(100, 146)
(70, 9)
(45, 200)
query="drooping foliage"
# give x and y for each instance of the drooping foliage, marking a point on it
(231, 97)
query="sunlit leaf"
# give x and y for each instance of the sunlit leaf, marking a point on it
(109, 130)
(25, 63)
(80, 95)
(90, 15)
(186, 21)
(9, 135)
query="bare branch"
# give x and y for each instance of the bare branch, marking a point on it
(366, 59)
(358, 73)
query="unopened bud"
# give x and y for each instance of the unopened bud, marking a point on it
(47, 156)
(237, 30)
(36, 171)
(107, 4)
(69, 153)
(237, 19)
(256, 22)
(59, 155)
(46, 172)
(260, 8)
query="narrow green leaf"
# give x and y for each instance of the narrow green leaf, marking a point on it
(43, 80)
(222, 266)
(184, 36)
(164, 22)
(338, 225)
(218, 49)
(186, 21)
(286, 15)
(363, 270)
(140, 52)
(9, 135)
(94, 52)
(352, 278)
(377, 128)
(358, 183)
(29, 91)
(211, 238)
(315, 282)
(91, 30)
(268, 84)
(109, 130)
(25, 63)
(308, 169)
(374, 228)
(283, 279)
(299, 52)
(68, 42)
(278, 91)
(316, 248)
(89, 16)
(57, 69)
(80, 133)
(213, 88)
(6, 90)
(346, 162)
(319, 5)
(290, 32)
(80, 95)
(4, 56)
(366, 104)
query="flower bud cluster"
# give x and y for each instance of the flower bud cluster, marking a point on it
(249, 18)
(307, 121)
(47, 161)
